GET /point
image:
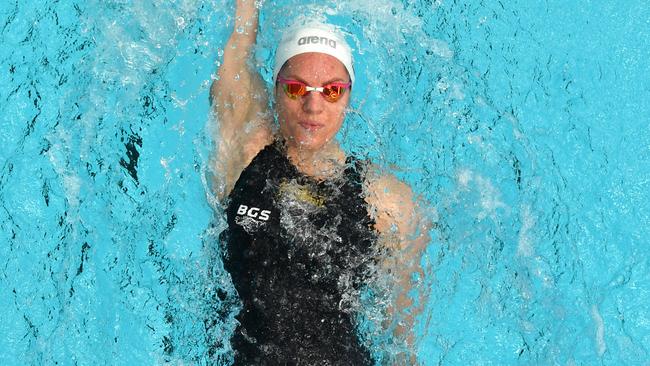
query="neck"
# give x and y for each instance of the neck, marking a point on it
(321, 163)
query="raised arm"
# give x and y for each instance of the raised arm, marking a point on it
(240, 103)
(404, 232)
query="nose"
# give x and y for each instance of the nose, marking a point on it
(312, 102)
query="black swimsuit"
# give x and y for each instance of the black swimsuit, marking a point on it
(296, 250)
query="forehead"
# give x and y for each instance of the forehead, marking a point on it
(315, 67)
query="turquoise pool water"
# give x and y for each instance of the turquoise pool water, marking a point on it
(523, 125)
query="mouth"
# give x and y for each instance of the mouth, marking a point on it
(310, 125)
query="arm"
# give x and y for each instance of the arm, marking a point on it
(404, 234)
(239, 101)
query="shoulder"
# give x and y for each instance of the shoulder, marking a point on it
(391, 203)
(233, 154)
(264, 163)
(255, 171)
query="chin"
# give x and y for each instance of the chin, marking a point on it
(310, 144)
(307, 142)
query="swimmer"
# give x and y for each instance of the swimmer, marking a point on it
(306, 223)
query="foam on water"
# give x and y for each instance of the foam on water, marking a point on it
(522, 128)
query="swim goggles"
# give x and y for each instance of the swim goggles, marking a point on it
(331, 92)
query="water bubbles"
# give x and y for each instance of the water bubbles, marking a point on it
(179, 127)
(600, 330)
(457, 92)
(179, 103)
(525, 239)
(180, 22)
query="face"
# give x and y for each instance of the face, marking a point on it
(310, 122)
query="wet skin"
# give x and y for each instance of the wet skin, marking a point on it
(309, 123)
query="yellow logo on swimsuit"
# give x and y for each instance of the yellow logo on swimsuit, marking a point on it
(301, 193)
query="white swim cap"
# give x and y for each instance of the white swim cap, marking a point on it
(313, 37)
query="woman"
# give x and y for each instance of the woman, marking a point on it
(307, 226)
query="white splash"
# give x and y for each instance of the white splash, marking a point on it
(600, 330)
(525, 241)
(490, 198)
(439, 48)
(164, 162)
(464, 176)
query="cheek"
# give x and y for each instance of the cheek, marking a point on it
(339, 114)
